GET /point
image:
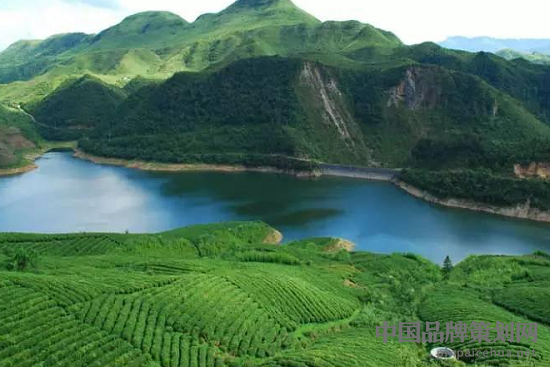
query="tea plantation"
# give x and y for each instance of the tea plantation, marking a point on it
(225, 295)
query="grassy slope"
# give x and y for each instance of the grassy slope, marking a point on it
(158, 44)
(215, 295)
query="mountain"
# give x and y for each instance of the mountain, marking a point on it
(264, 83)
(75, 107)
(152, 29)
(423, 116)
(489, 44)
(260, 106)
(535, 57)
(156, 45)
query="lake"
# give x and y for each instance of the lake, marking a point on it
(66, 194)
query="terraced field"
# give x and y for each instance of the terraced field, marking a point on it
(190, 298)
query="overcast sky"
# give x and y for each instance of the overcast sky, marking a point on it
(413, 21)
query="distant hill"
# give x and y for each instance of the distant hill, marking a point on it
(489, 44)
(535, 57)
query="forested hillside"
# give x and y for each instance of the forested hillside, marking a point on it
(75, 107)
(404, 116)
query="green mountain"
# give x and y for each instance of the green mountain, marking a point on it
(75, 107)
(401, 116)
(158, 44)
(535, 57)
(154, 30)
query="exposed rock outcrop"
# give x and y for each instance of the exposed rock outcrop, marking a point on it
(533, 170)
(338, 245)
(329, 96)
(417, 89)
(273, 238)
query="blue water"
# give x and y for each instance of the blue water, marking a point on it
(70, 195)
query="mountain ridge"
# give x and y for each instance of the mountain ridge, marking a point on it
(491, 44)
(244, 29)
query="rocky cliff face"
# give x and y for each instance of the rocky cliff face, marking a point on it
(329, 115)
(533, 170)
(329, 97)
(417, 89)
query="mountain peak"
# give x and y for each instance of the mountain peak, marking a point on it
(154, 16)
(257, 5)
(265, 12)
(151, 28)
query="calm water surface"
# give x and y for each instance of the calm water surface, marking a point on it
(70, 195)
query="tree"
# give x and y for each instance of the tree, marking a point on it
(21, 260)
(447, 267)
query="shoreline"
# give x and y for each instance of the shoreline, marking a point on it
(522, 212)
(6, 172)
(33, 155)
(186, 167)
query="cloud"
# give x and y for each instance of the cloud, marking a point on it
(41, 19)
(107, 4)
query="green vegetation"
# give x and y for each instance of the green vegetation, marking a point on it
(447, 267)
(21, 259)
(217, 295)
(158, 44)
(263, 83)
(275, 106)
(535, 57)
(76, 106)
(481, 186)
(249, 109)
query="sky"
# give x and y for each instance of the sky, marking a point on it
(412, 21)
